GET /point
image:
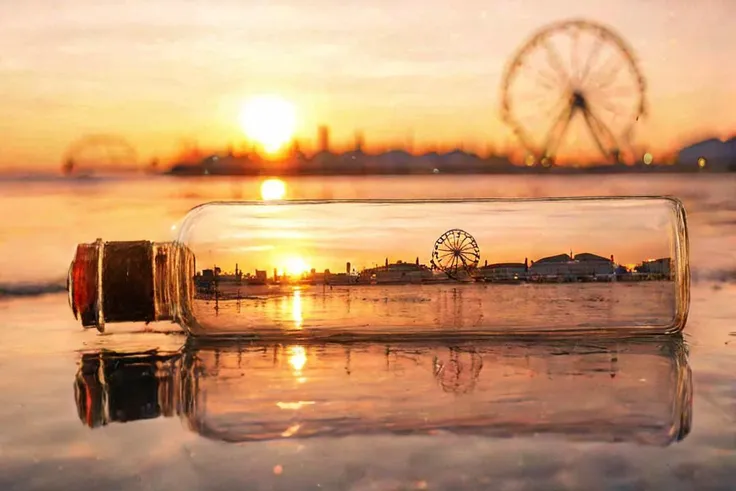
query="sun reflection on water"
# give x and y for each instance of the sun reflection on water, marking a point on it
(273, 189)
(296, 309)
(297, 360)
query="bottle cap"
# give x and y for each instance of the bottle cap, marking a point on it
(114, 282)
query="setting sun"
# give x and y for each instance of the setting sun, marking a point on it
(269, 121)
(295, 266)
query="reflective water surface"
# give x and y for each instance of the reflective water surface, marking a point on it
(140, 408)
(608, 391)
(442, 310)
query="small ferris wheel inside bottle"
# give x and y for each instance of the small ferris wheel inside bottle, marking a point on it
(399, 268)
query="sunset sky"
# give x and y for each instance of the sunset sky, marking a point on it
(328, 236)
(159, 72)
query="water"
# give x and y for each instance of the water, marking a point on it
(587, 415)
(441, 310)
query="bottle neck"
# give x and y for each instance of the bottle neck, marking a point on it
(138, 281)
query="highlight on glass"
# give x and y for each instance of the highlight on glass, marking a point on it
(399, 268)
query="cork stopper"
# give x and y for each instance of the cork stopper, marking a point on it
(115, 282)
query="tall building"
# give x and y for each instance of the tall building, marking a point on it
(324, 138)
(359, 141)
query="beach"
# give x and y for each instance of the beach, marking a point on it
(655, 414)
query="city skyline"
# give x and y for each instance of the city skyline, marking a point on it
(301, 269)
(160, 73)
(294, 263)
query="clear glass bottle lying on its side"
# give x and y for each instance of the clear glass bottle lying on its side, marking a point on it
(400, 268)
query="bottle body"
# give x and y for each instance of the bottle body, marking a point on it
(352, 269)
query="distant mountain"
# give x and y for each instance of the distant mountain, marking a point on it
(719, 155)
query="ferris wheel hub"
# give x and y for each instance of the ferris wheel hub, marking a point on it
(578, 100)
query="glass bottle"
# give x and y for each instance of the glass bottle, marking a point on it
(633, 390)
(399, 268)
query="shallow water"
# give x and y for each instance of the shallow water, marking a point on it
(587, 415)
(445, 309)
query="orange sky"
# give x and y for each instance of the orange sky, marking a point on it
(157, 72)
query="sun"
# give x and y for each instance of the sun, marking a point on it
(269, 121)
(295, 266)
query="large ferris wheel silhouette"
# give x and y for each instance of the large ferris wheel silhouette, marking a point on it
(571, 72)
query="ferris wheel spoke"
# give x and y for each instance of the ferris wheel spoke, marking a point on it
(617, 110)
(445, 242)
(555, 61)
(448, 259)
(618, 91)
(612, 104)
(590, 61)
(554, 145)
(468, 251)
(596, 98)
(612, 108)
(606, 78)
(546, 80)
(574, 54)
(445, 257)
(555, 109)
(472, 260)
(459, 242)
(449, 240)
(536, 119)
(608, 82)
(468, 259)
(557, 131)
(545, 112)
(603, 128)
(453, 242)
(535, 98)
(599, 131)
(594, 132)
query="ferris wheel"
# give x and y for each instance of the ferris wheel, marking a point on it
(455, 252)
(573, 82)
(458, 374)
(94, 153)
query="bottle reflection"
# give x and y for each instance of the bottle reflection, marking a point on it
(637, 390)
(114, 387)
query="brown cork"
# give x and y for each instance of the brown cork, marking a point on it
(113, 282)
